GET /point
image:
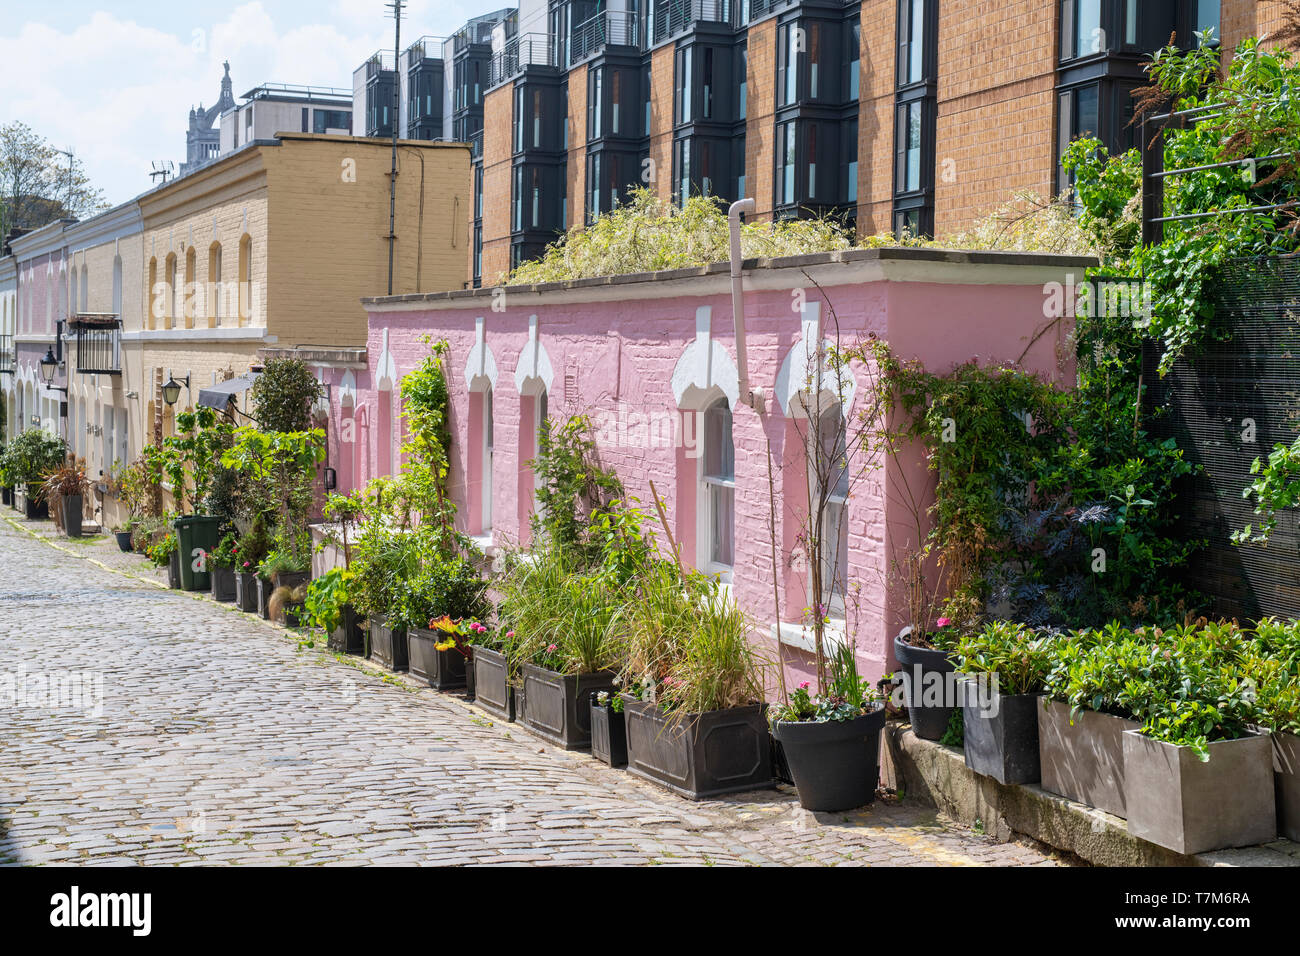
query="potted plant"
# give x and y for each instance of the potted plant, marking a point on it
(693, 701)
(1272, 664)
(123, 534)
(65, 487)
(447, 588)
(221, 567)
(490, 659)
(831, 741)
(326, 607)
(608, 729)
(926, 670)
(163, 553)
(1004, 668)
(28, 456)
(278, 569)
(572, 647)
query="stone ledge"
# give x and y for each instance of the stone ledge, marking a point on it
(938, 775)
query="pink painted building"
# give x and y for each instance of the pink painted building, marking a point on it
(651, 358)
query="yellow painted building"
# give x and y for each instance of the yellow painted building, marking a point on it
(275, 244)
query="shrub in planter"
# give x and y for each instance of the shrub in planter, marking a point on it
(388, 643)
(246, 591)
(571, 650)
(1273, 666)
(445, 588)
(65, 488)
(695, 719)
(831, 741)
(1004, 668)
(608, 729)
(221, 568)
(326, 608)
(28, 457)
(926, 669)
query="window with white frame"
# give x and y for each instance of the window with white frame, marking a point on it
(831, 493)
(718, 481)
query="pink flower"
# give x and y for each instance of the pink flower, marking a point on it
(804, 685)
(510, 633)
(943, 622)
(551, 648)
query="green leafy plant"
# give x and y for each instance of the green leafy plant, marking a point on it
(280, 468)
(190, 458)
(227, 552)
(161, 552)
(31, 454)
(1020, 657)
(326, 597)
(283, 396)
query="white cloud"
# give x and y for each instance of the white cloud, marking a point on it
(119, 92)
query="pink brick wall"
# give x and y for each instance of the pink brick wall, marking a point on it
(615, 361)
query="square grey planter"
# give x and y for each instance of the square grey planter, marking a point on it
(246, 593)
(608, 735)
(444, 670)
(388, 644)
(348, 637)
(698, 756)
(1083, 760)
(222, 582)
(492, 690)
(557, 707)
(1286, 783)
(1001, 734)
(1177, 801)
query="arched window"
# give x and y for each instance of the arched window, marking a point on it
(214, 285)
(75, 297)
(190, 294)
(830, 485)
(85, 287)
(718, 487)
(117, 286)
(153, 297)
(169, 301)
(245, 278)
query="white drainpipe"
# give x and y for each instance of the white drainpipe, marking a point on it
(752, 398)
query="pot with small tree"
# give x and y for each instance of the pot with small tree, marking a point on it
(64, 488)
(221, 567)
(28, 457)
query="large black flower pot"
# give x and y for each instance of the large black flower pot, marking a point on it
(388, 644)
(123, 540)
(174, 571)
(264, 590)
(835, 764)
(36, 510)
(70, 506)
(246, 593)
(222, 583)
(557, 707)
(492, 690)
(6, 495)
(444, 670)
(928, 691)
(699, 756)
(1001, 734)
(348, 637)
(469, 676)
(608, 734)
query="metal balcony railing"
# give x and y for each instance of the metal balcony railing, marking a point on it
(99, 344)
(529, 49)
(379, 63)
(671, 17)
(471, 34)
(8, 355)
(425, 48)
(604, 29)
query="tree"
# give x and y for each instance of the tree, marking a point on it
(39, 184)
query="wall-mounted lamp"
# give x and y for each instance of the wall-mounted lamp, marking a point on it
(171, 390)
(49, 365)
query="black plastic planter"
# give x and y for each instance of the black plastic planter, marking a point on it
(264, 590)
(222, 581)
(246, 593)
(6, 495)
(1001, 734)
(698, 756)
(348, 637)
(557, 707)
(608, 735)
(35, 510)
(123, 540)
(492, 690)
(444, 670)
(70, 506)
(835, 764)
(388, 644)
(174, 571)
(928, 691)
(469, 676)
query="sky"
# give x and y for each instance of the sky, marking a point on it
(114, 82)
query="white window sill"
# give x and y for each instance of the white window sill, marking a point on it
(800, 636)
(484, 543)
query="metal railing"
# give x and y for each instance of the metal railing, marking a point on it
(425, 48)
(99, 345)
(671, 17)
(1154, 173)
(379, 63)
(8, 355)
(530, 49)
(604, 29)
(471, 34)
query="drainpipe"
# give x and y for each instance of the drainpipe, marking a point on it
(747, 396)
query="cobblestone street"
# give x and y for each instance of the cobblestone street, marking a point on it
(220, 741)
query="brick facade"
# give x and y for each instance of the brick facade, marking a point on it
(576, 164)
(760, 81)
(498, 117)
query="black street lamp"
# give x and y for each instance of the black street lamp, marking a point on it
(49, 365)
(171, 390)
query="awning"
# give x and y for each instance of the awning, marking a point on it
(219, 396)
